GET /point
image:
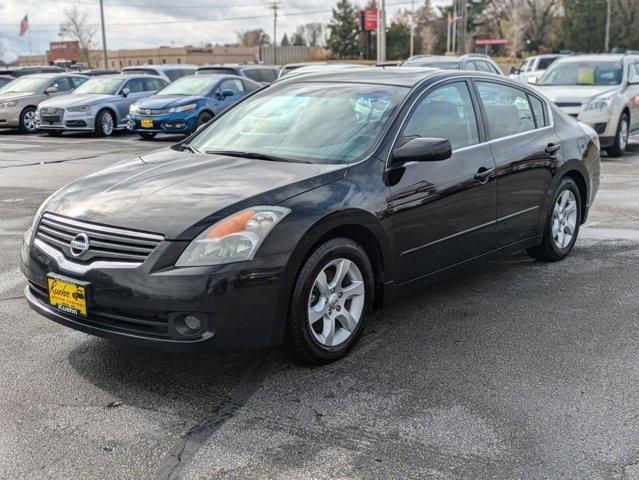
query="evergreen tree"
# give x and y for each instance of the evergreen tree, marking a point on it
(584, 25)
(285, 42)
(344, 30)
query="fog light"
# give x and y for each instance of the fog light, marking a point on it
(192, 323)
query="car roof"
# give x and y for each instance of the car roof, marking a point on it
(594, 57)
(162, 66)
(398, 76)
(130, 76)
(53, 75)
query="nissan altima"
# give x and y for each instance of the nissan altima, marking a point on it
(307, 204)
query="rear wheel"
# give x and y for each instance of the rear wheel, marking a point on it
(621, 138)
(104, 124)
(331, 299)
(147, 135)
(27, 120)
(562, 223)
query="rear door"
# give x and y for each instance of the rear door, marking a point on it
(633, 96)
(526, 150)
(443, 212)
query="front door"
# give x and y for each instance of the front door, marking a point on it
(443, 212)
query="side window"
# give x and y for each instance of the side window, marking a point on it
(538, 111)
(447, 112)
(483, 66)
(234, 84)
(268, 75)
(470, 66)
(135, 85)
(507, 109)
(152, 84)
(633, 70)
(63, 84)
(253, 74)
(249, 86)
(77, 81)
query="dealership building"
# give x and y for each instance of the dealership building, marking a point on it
(69, 53)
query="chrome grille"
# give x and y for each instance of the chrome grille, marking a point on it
(105, 243)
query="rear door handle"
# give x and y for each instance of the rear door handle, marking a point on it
(483, 174)
(551, 149)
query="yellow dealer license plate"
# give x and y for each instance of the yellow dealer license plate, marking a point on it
(67, 296)
(146, 123)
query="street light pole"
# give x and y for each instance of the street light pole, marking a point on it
(412, 29)
(607, 42)
(104, 47)
(274, 7)
(381, 51)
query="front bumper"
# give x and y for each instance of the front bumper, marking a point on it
(179, 122)
(146, 305)
(10, 117)
(72, 121)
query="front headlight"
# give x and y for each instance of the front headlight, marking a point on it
(83, 108)
(12, 103)
(233, 239)
(183, 108)
(134, 108)
(599, 103)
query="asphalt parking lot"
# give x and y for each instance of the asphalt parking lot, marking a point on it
(519, 370)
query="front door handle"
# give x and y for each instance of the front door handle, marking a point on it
(483, 174)
(552, 148)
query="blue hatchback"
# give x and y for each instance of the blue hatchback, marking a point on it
(184, 105)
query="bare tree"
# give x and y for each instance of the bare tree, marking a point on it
(541, 15)
(76, 23)
(313, 34)
(255, 37)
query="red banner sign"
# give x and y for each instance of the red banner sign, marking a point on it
(369, 19)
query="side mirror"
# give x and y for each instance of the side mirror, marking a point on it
(532, 80)
(634, 80)
(50, 90)
(228, 93)
(423, 150)
(126, 91)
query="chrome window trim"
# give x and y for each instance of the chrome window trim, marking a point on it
(105, 229)
(78, 268)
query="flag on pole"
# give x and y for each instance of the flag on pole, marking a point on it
(24, 25)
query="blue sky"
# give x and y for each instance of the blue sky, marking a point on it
(150, 23)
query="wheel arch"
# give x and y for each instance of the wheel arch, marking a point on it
(111, 111)
(358, 225)
(576, 171)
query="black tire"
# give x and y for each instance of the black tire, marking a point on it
(26, 123)
(99, 127)
(147, 135)
(203, 118)
(548, 250)
(300, 341)
(617, 149)
(54, 133)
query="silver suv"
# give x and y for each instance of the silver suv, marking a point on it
(601, 91)
(100, 105)
(20, 98)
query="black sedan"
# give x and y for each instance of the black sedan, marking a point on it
(307, 204)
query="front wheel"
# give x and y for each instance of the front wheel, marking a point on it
(203, 118)
(621, 137)
(104, 124)
(562, 223)
(331, 299)
(27, 122)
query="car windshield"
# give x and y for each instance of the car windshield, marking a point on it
(583, 73)
(191, 85)
(25, 85)
(443, 65)
(103, 85)
(309, 122)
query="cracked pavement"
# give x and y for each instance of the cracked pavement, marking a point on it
(517, 370)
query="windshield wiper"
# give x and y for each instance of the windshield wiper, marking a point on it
(255, 156)
(186, 146)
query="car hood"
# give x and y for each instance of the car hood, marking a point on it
(178, 194)
(70, 100)
(5, 97)
(574, 93)
(158, 102)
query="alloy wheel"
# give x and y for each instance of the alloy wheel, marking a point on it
(29, 121)
(564, 219)
(107, 124)
(336, 302)
(623, 133)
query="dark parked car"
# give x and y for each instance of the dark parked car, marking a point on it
(187, 103)
(263, 74)
(303, 206)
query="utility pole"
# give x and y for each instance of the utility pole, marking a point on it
(412, 29)
(274, 6)
(464, 25)
(381, 37)
(607, 42)
(104, 47)
(454, 37)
